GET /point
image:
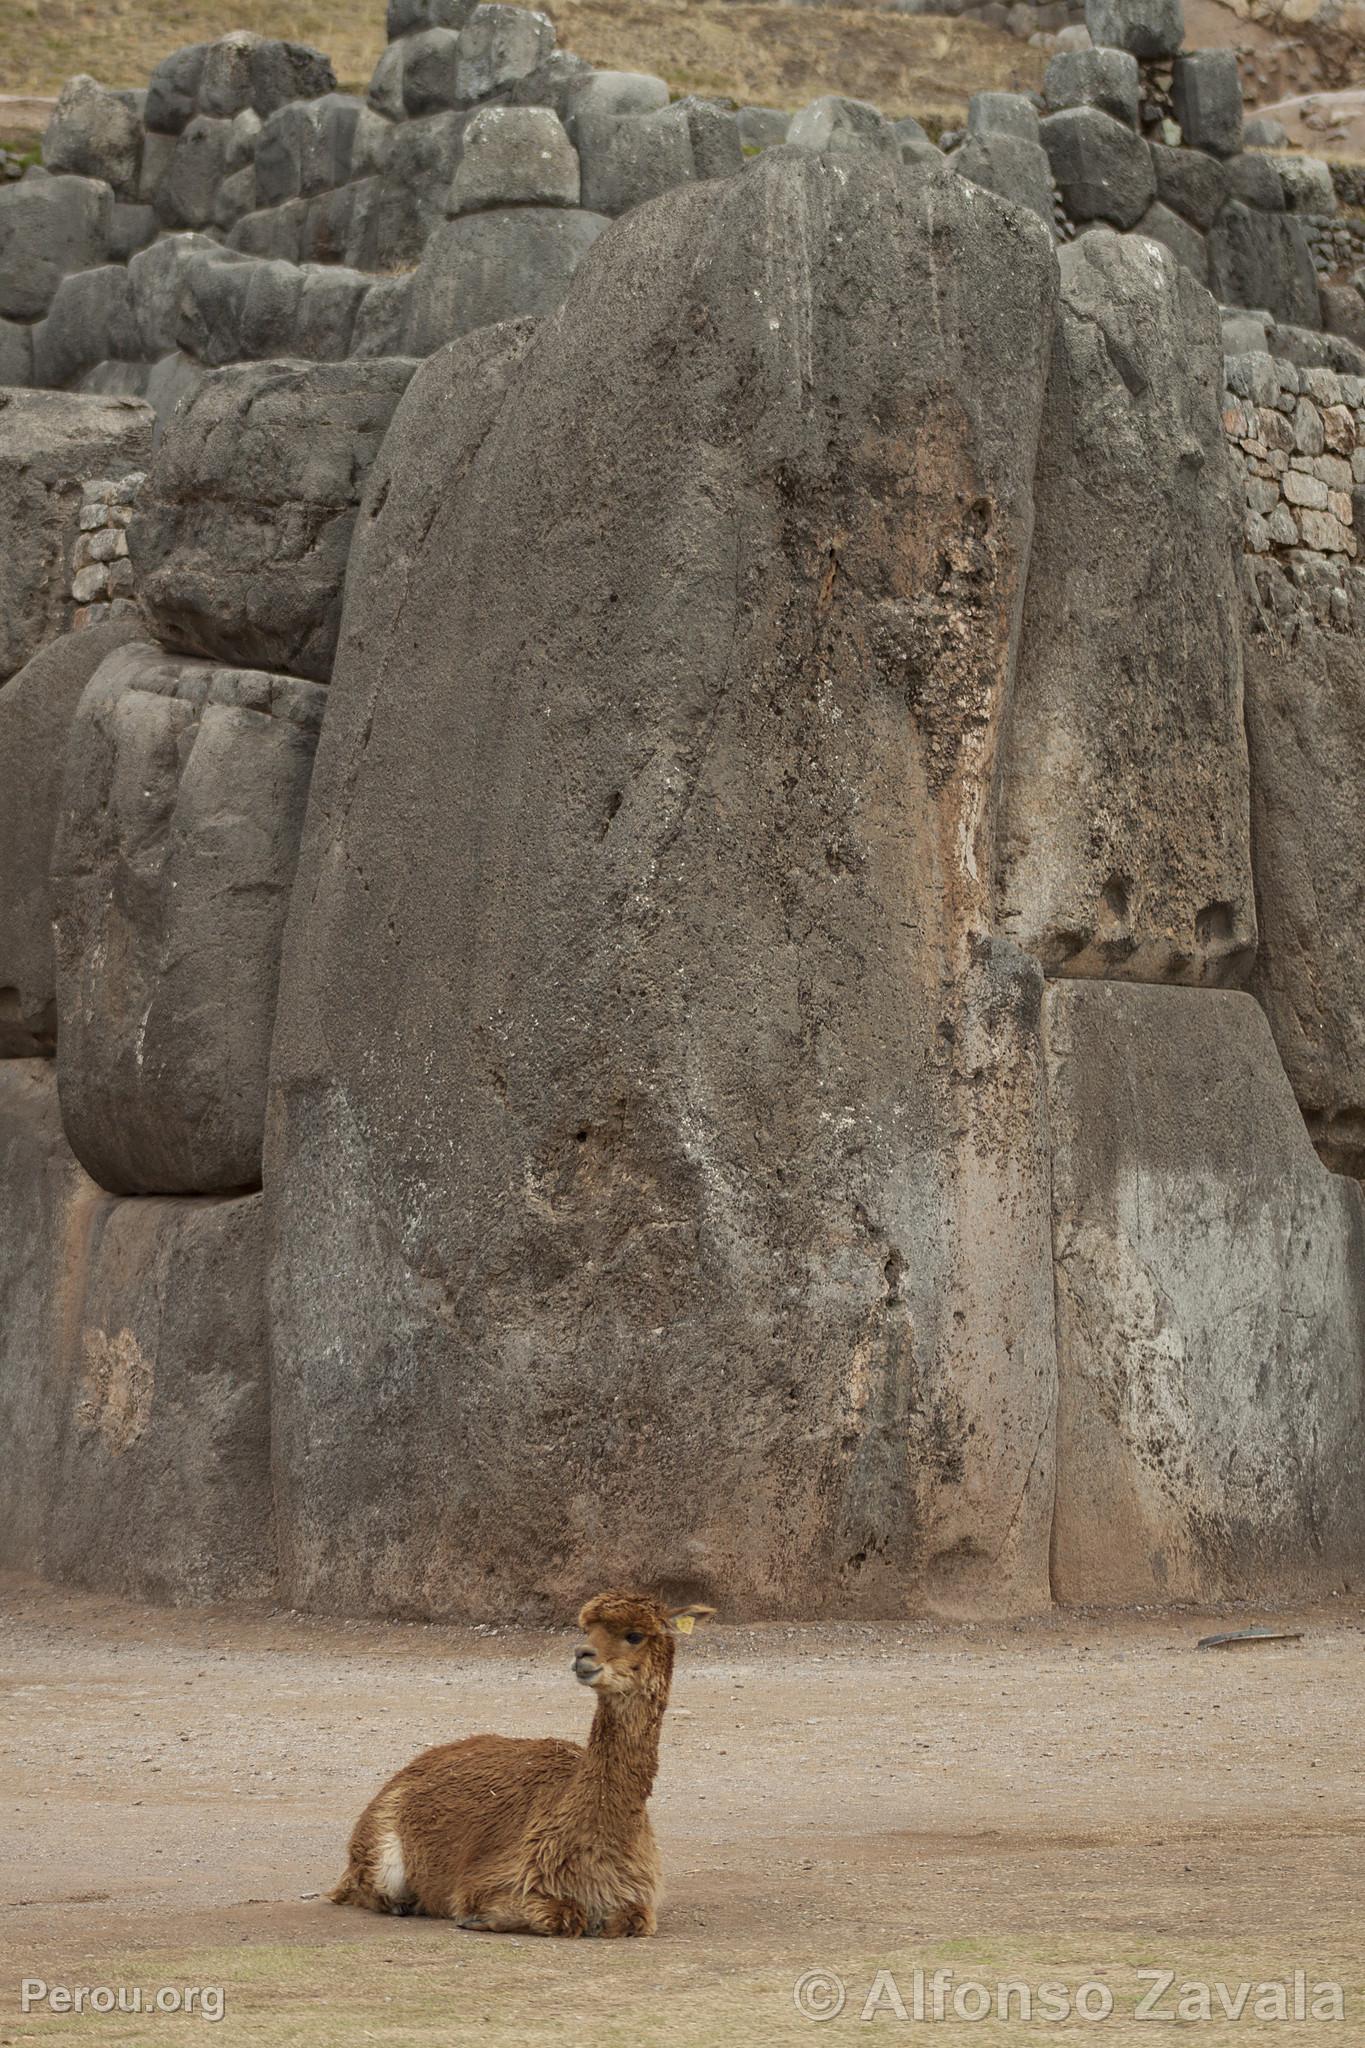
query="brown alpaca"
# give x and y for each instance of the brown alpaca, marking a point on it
(540, 1836)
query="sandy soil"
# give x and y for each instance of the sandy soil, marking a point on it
(1070, 1800)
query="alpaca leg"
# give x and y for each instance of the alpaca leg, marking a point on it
(636, 1919)
(517, 1912)
(355, 1889)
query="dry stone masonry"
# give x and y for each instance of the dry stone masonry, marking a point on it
(680, 877)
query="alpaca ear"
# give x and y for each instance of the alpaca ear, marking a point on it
(685, 1619)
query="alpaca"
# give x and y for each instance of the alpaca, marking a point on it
(536, 1836)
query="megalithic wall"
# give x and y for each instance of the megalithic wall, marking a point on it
(656, 1172)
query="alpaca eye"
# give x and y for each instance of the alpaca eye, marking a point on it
(634, 1636)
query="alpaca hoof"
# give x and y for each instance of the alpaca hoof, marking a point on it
(473, 1922)
(569, 1922)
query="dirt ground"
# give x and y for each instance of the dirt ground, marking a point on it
(1075, 1800)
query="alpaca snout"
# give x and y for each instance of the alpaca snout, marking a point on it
(586, 1666)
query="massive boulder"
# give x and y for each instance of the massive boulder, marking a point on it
(1124, 842)
(48, 228)
(182, 807)
(1210, 1309)
(134, 1391)
(36, 710)
(655, 1168)
(244, 525)
(94, 133)
(1264, 260)
(52, 444)
(46, 1201)
(483, 268)
(1305, 700)
(161, 1487)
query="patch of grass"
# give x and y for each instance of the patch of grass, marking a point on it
(419, 1984)
(769, 55)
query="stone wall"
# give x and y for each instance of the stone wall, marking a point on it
(243, 209)
(680, 893)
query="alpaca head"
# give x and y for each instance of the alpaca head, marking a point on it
(627, 1646)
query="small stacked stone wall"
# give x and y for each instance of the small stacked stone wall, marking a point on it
(1297, 438)
(102, 579)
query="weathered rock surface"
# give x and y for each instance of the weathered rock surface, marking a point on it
(1124, 841)
(1150, 29)
(1263, 260)
(515, 156)
(484, 268)
(91, 320)
(1210, 1308)
(1305, 707)
(47, 1203)
(245, 521)
(36, 710)
(50, 444)
(565, 1078)
(1107, 79)
(1206, 94)
(1008, 165)
(94, 134)
(134, 1390)
(1103, 170)
(1192, 184)
(182, 807)
(163, 1487)
(1185, 243)
(49, 227)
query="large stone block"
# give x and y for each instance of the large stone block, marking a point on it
(1150, 29)
(48, 227)
(188, 193)
(430, 59)
(244, 524)
(626, 159)
(94, 134)
(642, 1064)
(156, 276)
(173, 93)
(498, 46)
(1190, 183)
(1206, 94)
(305, 147)
(834, 126)
(51, 443)
(91, 320)
(183, 799)
(1263, 260)
(1185, 243)
(234, 308)
(1210, 1309)
(1124, 845)
(515, 156)
(134, 1388)
(487, 267)
(48, 1204)
(16, 353)
(1009, 165)
(1305, 702)
(999, 113)
(36, 710)
(1103, 170)
(1107, 79)
(245, 70)
(163, 1479)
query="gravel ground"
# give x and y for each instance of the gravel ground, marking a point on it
(1072, 1800)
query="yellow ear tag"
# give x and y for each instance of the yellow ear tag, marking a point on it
(684, 1623)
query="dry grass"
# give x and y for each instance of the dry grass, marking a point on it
(784, 56)
(771, 55)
